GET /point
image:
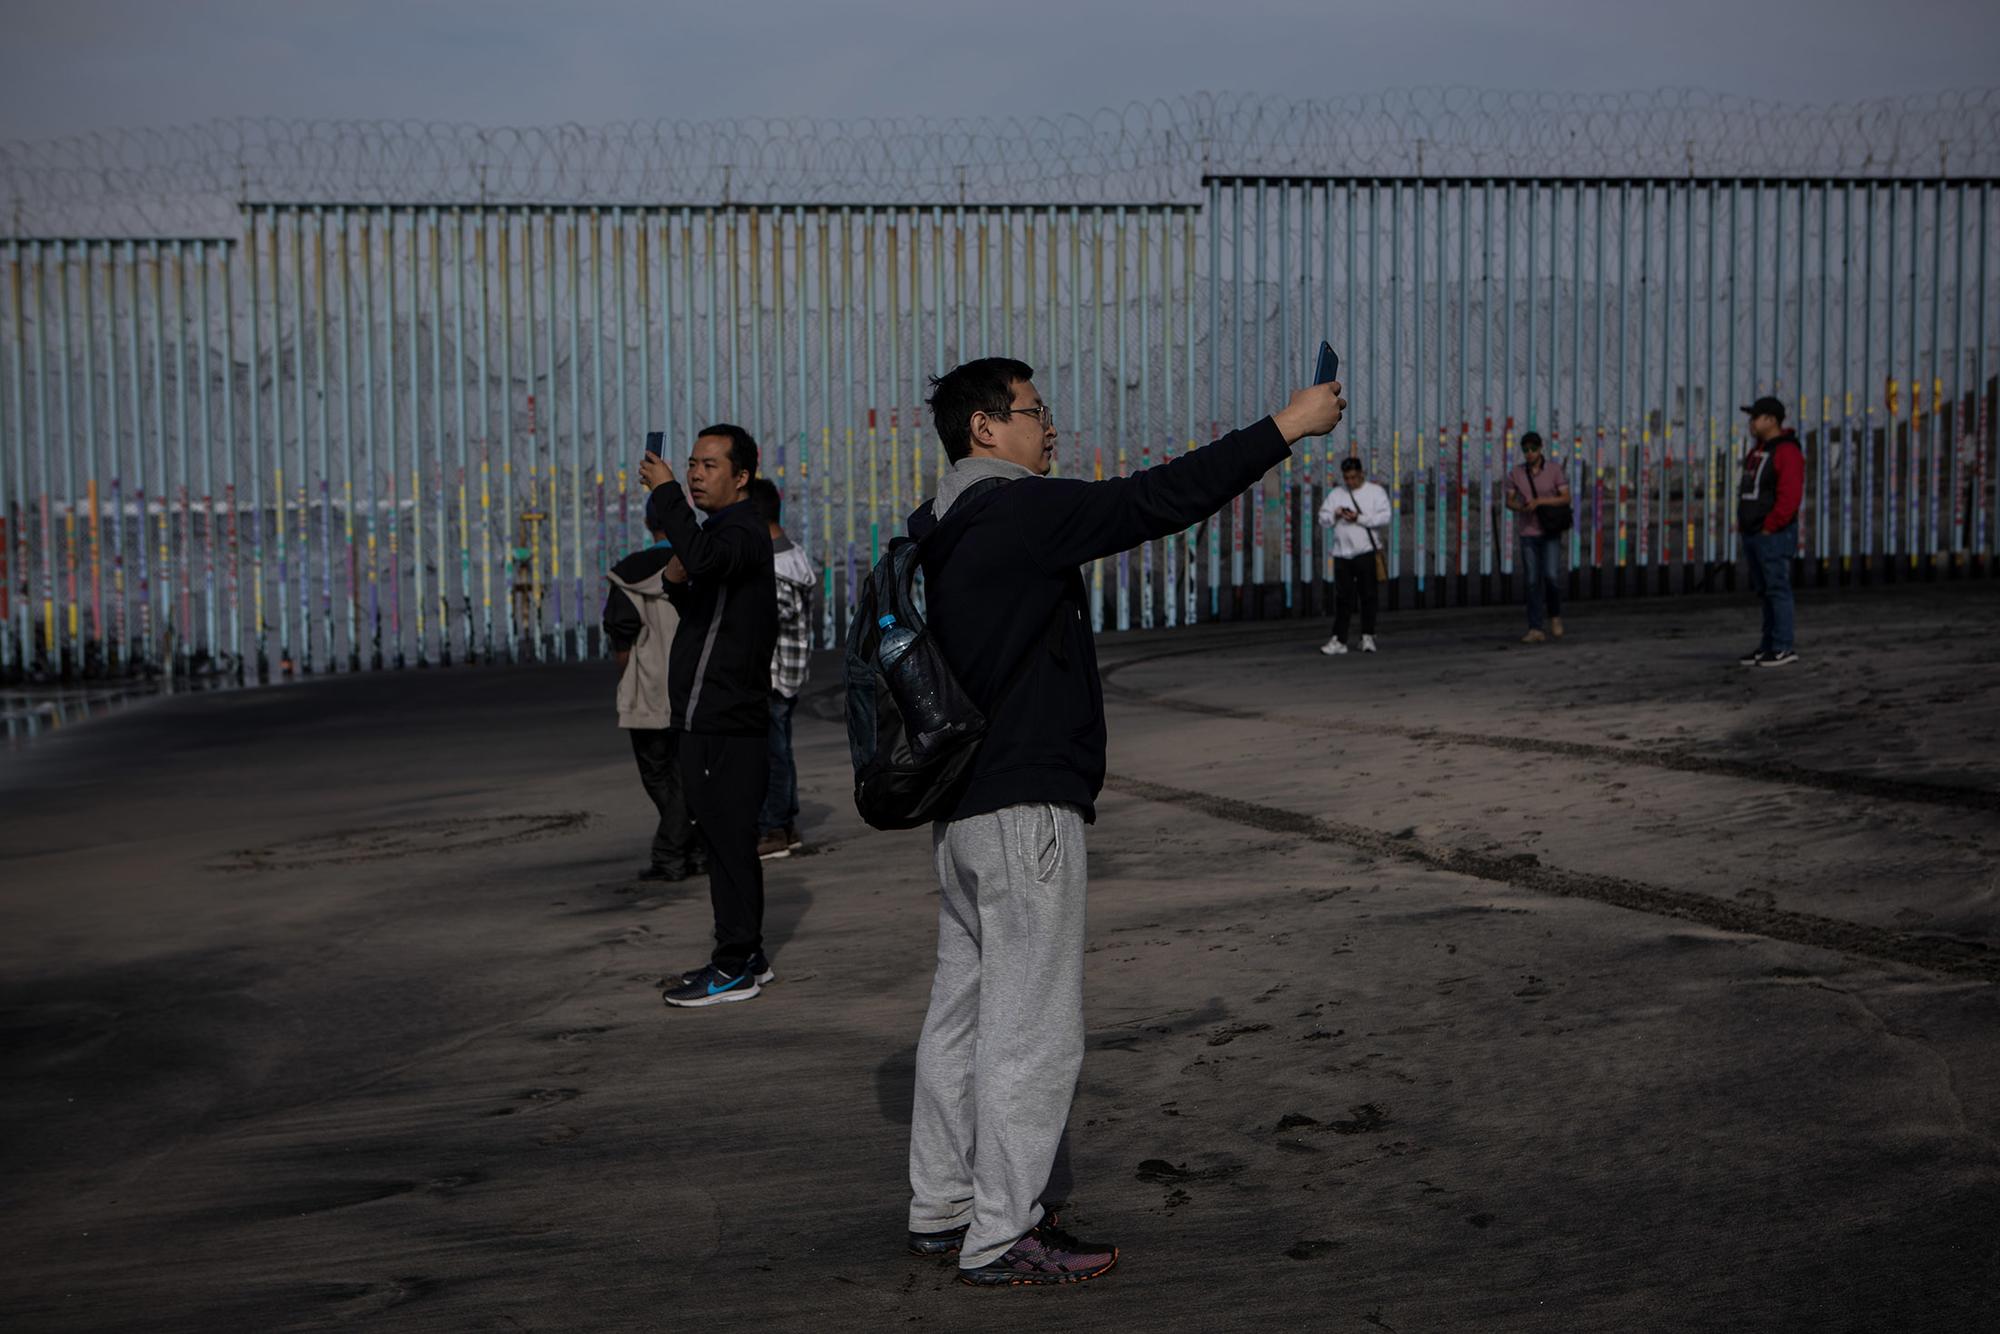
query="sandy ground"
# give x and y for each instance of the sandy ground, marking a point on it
(1601, 985)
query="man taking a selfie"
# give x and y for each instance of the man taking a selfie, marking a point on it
(1003, 1041)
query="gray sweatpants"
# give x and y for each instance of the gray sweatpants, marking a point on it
(1003, 1042)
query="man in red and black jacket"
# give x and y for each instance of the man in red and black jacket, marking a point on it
(1767, 514)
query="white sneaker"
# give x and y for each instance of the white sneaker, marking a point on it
(1333, 648)
(1368, 643)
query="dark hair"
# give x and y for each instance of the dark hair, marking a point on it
(1351, 464)
(765, 499)
(1531, 438)
(985, 385)
(742, 446)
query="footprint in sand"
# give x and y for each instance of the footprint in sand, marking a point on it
(537, 1098)
(359, 1299)
(1363, 1119)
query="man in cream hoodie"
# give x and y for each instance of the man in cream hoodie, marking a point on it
(639, 624)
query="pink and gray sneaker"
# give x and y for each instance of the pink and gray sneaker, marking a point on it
(1046, 1255)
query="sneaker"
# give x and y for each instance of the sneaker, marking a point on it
(1782, 658)
(773, 844)
(1333, 648)
(1751, 659)
(792, 839)
(759, 965)
(712, 986)
(1556, 627)
(1046, 1255)
(670, 874)
(952, 1239)
(1368, 643)
(1533, 637)
(947, 1242)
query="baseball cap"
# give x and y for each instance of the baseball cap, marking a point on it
(1766, 407)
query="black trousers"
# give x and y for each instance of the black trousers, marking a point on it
(725, 778)
(1353, 577)
(675, 845)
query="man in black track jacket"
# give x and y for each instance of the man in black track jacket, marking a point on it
(1003, 1041)
(719, 683)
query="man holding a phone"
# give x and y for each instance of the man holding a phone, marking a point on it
(718, 685)
(1358, 510)
(1003, 1040)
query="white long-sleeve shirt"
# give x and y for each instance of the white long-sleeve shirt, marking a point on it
(1349, 537)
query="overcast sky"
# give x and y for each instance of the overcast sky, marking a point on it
(74, 65)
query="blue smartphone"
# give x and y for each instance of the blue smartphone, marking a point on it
(1328, 368)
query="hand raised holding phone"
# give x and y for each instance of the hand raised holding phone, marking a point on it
(653, 469)
(1314, 410)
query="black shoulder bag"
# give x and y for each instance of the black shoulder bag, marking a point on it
(1555, 519)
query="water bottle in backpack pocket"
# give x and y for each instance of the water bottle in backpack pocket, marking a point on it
(911, 730)
(915, 684)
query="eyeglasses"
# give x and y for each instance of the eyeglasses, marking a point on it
(1045, 413)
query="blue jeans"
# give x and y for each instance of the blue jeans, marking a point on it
(1770, 559)
(781, 793)
(1541, 566)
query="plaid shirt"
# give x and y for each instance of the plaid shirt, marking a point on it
(789, 661)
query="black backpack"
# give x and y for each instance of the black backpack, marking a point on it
(902, 780)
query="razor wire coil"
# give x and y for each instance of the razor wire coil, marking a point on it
(190, 180)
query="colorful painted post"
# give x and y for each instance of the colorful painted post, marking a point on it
(373, 546)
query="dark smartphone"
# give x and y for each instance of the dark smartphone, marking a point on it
(656, 443)
(1328, 368)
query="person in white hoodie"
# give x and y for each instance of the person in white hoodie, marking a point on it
(777, 822)
(1358, 510)
(639, 625)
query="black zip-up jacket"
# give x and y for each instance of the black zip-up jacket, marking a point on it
(719, 677)
(1003, 582)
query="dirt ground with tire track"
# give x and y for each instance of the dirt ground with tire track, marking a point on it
(1594, 985)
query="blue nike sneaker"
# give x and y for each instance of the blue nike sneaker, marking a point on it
(759, 965)
(714, 986)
